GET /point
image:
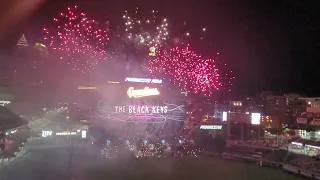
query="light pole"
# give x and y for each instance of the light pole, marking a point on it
(241, 132)
(259, 129)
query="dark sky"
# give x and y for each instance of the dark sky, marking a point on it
(270, 45)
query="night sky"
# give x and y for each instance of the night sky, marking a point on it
(268, 45)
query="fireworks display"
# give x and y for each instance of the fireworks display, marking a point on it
(78, 40)
(145, 45)
(150, 31)
(186, 69)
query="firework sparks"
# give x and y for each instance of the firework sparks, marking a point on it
(146, 149)
(78, 40)
(186, 69)
(150, 31)
(109, 152)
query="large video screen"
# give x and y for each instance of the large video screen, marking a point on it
(151, 111)
(153, 117)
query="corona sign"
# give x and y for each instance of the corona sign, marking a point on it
(142, 92)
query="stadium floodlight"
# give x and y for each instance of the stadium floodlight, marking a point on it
(224, 116)
(255, 118)
(145, 141)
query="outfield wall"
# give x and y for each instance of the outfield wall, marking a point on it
(284, 166)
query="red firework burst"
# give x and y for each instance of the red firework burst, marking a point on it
(191, 72)
(78, 40)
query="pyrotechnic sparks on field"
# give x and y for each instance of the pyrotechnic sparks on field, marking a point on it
(78, 40)
(188, 70)
(145, 149)
(109, 152)
(148, 150)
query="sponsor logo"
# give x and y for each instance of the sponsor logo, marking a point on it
(144, 80)
(136, 93)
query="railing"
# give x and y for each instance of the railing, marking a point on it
(284, 166)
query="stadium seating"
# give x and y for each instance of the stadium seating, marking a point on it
(277, 155)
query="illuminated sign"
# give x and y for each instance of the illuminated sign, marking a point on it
(212, 127)
(255, 118)
(113, 82)
(144, 80)
(142, 92)
(156, 112)
(87, 87)
(2, 103)
(65, 133)
(83, 134)
(46, 133)
(142, 109)
(152, 51)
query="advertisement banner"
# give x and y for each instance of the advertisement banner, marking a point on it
(211, 127)
(137, 93)
(154, 112)
(155, 118)
(143, 80)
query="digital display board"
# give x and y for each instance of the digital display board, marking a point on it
(156, 118)
(255, 118)
(153, 111)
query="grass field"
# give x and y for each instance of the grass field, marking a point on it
(186, 168)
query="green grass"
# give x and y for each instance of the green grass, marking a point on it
(187, 168)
